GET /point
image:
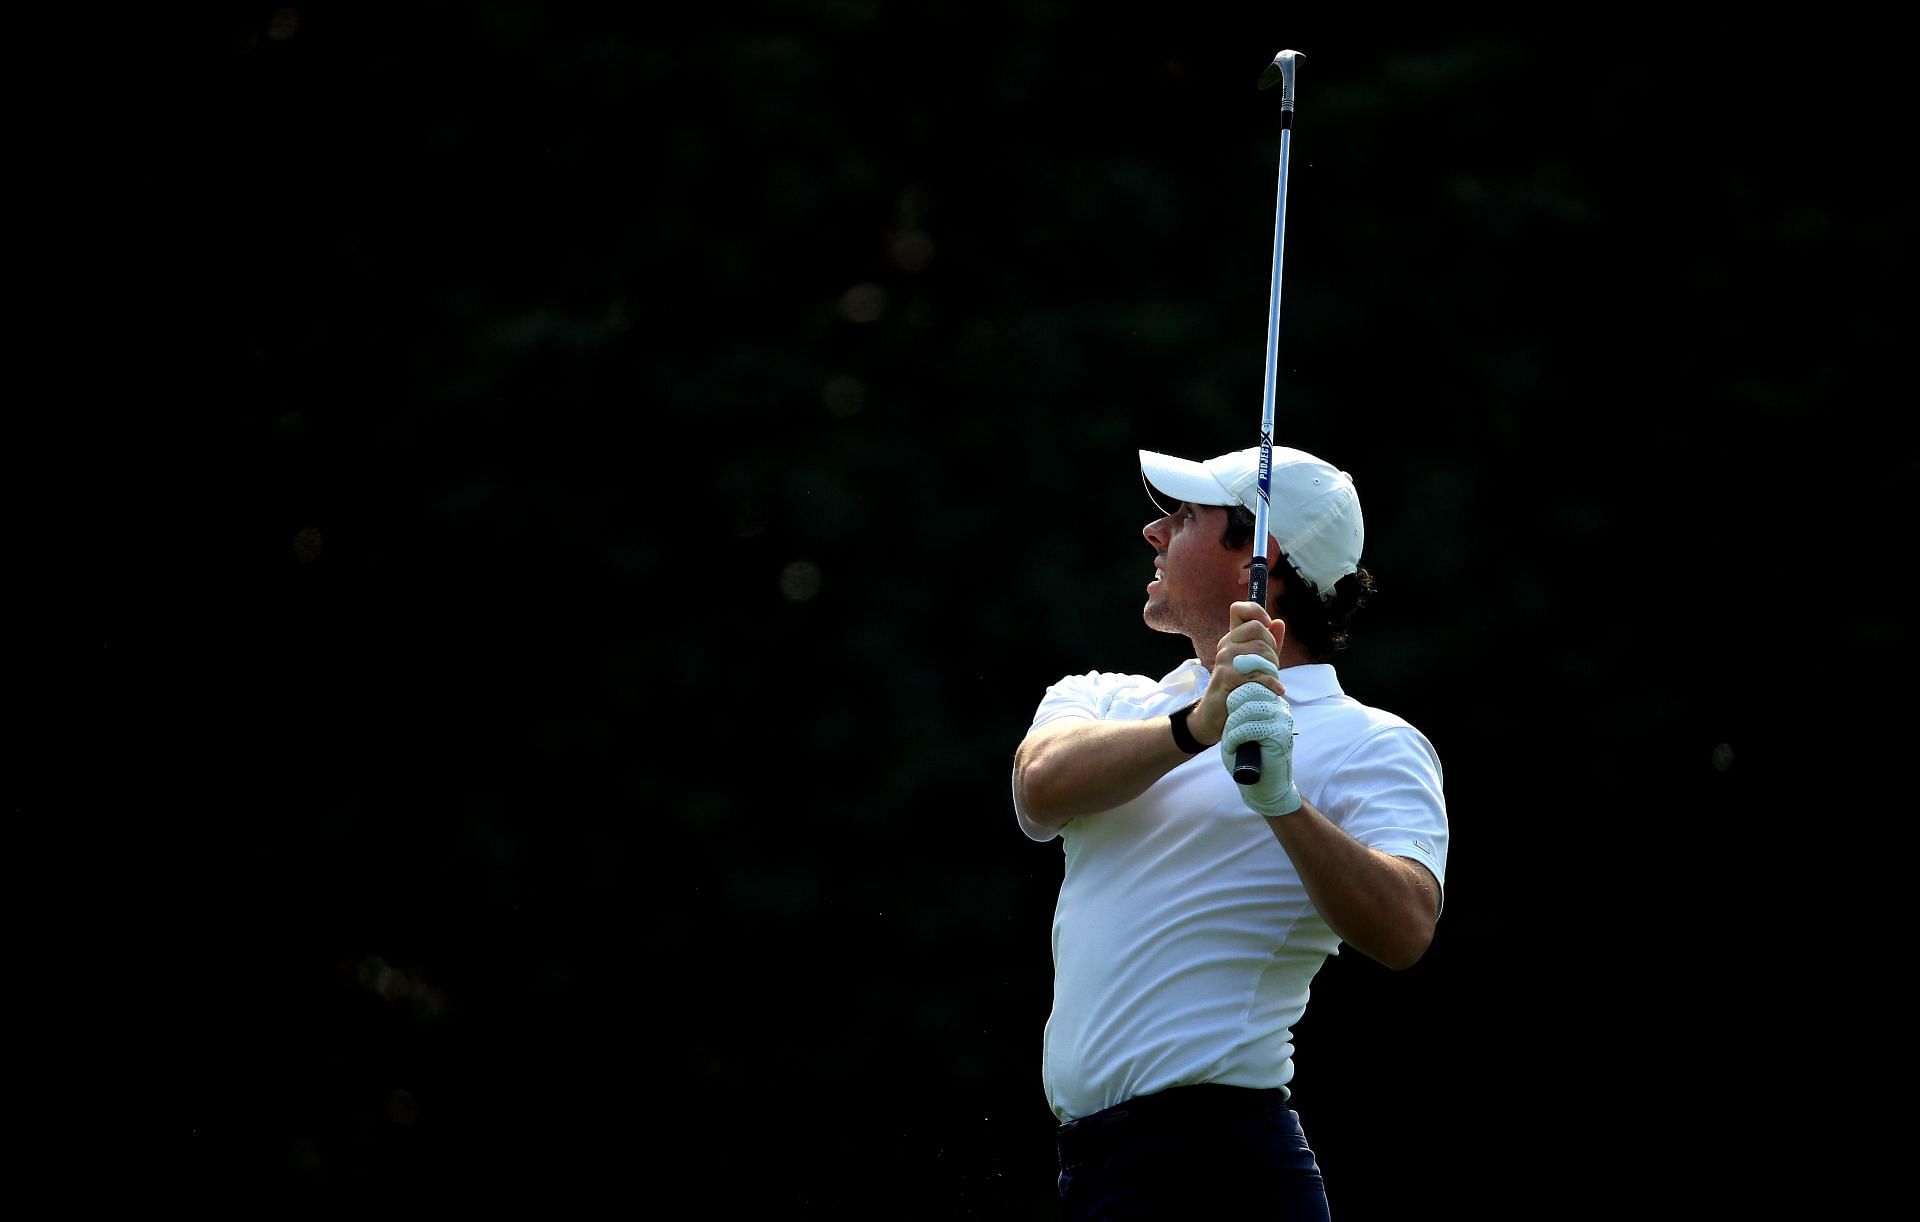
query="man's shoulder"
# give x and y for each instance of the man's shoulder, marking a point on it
(1101, 686)
(1362, 726)
(1109, 693)
(1119, 680)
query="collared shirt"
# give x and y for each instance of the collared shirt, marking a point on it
(1183, 939)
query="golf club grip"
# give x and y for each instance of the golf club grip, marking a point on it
(1246, 757)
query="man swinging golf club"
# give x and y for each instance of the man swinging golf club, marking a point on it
(1200, 896)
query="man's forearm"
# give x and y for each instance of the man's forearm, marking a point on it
(1067, 769)
(1384, 907)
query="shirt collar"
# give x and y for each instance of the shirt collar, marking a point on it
(1313, 681)
(1189, 677)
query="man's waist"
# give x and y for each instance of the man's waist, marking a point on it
(1179, 1107)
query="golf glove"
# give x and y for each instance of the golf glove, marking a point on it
(1255, 714)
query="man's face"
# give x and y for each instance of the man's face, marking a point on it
(1196, 577)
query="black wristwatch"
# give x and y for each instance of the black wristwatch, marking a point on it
(1182, 737)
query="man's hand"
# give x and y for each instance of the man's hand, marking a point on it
(1255, 714)
(1252, 633)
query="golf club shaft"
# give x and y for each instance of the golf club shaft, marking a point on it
(1246, 760)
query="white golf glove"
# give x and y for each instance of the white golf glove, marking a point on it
(1255, 714)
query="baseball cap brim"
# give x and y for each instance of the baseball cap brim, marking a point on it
(1171, 479)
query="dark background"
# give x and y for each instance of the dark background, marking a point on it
(591, 498)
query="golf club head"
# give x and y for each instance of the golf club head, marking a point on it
(1280, 72)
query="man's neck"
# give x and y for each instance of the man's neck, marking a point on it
(1290, 654)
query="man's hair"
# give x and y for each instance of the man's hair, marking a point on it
(1322, 628)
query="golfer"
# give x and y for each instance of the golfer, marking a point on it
(1194, 911)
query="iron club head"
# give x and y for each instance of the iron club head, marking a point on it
(1281, 69)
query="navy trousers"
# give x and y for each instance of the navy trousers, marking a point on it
(1191, 1153)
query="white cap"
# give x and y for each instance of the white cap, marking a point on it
(1312, 508)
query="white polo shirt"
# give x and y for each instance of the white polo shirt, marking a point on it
(1183, 939)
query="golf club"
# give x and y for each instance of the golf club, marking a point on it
(1246, 760)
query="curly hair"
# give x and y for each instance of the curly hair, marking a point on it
(1322, 628)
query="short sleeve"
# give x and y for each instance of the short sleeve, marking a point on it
(1388, 794)
(1074, 698)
